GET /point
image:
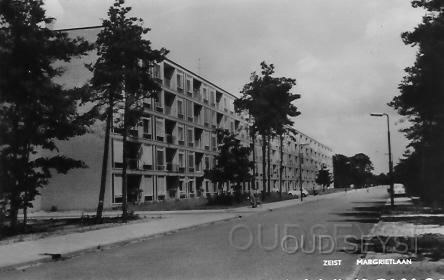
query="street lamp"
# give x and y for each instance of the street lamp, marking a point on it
(300, 168)
(392, 200)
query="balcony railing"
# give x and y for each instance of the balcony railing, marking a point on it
(159, 107)
(180, 116)
(134, 164)
(160, 167)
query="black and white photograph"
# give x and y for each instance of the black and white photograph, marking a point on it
(222, 139)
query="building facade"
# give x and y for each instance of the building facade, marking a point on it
(174, 142)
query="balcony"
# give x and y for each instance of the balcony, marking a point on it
(181, 142)
(171, 167)
(171, 139)
(147, 136)
(133, 164)
(159, 107)
(197, 95)
(181, 169)
(167, 82)
(190, 144)
(191, 169)
(180, 116)
(168, 110)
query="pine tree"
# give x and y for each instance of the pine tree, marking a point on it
(34, 110)
(422, 100)
(121, 80)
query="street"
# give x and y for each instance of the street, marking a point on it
(258, 246)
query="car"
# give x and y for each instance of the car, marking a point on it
(398, 189)
(296, 193)
(293, 193)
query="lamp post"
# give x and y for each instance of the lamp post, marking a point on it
(300, 168)
(392, 200)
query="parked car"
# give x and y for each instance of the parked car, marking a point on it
(398, 189)
(293, 193)
(297, 193)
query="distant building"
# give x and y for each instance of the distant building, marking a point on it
(173, 145)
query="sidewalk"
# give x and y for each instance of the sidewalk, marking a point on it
(19, 254)
(421, 229)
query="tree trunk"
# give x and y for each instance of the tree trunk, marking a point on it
(269, 163)
(25, 210)
(125, 164)
(13, 211)
(264, 147)
(281, 152)
(104, 165)
(253, 149)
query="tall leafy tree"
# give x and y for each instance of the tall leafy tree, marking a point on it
(421, 99)
(232, 162)
(268, 100)
(323, 178)
(121, 80)
(341, 171)
(34, 110)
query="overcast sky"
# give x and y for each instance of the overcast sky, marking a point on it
(346, 55)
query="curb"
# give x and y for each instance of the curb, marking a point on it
(100, 247)
(112, 245)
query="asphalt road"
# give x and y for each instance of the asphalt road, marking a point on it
(259, 246)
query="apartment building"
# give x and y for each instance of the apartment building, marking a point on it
(174, 142)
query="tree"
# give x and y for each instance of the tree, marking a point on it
(361, 169)
(341, 171)
(355, 170)
(232, 161)
(34, 110)
(268, 100)
(122, 79)
(421, 99)
(323, 178)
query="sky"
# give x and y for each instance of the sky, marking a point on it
(347, 56)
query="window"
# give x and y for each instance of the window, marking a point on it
(181, 159)
(206, 116)
(117, 152)
(180, 81)
(160, 158)
(188, 85)
(212, 98)
(207, 163)
(190, 161)
(147, 156)
(190, 110)
(225, 104)
(190, 138)
(206, 139)
(180, 113)
(205, 95)
(213, 142)
(117, 189)
(158, 100)
(180, 132)
(147, 129)
(160, 129)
